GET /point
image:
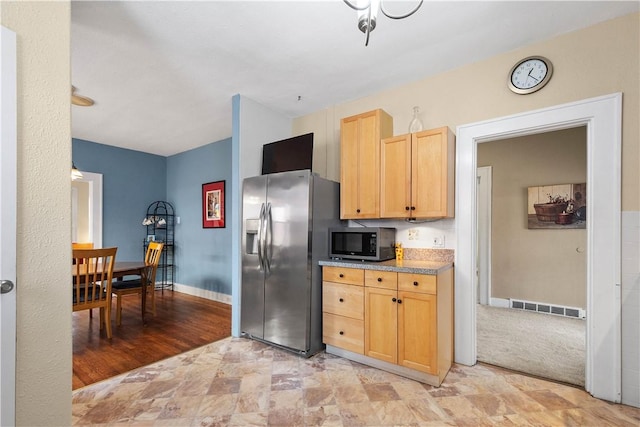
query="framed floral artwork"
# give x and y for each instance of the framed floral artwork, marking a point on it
(213, 205)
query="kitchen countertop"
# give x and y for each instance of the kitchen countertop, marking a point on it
(403, 266)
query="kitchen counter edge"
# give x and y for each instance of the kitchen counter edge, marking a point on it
(404, 266)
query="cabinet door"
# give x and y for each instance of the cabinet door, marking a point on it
(395, 177)
(369, 167)
(349, 167)
(417, 332)
(381, 324)
(432, 173)
(360, 163)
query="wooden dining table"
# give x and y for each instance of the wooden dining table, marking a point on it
(127, 268)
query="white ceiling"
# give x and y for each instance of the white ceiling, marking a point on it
(163, 73)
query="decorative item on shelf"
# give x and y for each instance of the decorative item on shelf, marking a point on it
(368, 14)
(158, 220)
(416, 124)
(75, 173)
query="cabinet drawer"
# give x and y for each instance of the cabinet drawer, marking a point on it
(343, 332)
(351, 276)
(343, 300)
(424, 283)
(381, 279)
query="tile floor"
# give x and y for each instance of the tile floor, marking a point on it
(238, 382)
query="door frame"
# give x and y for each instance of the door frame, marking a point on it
(8, 217)
(603, 118)
(485, 184)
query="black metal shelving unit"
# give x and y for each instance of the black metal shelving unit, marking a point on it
(160, 222)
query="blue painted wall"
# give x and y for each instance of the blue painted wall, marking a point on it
(131, 181)
(202, 255)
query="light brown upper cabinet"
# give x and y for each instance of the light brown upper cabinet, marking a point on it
(417, 175)
(360, 137)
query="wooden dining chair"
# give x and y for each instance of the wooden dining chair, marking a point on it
(92, 279)
(121, 288)
(82, 245)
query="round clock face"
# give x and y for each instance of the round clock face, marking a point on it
(530, 75)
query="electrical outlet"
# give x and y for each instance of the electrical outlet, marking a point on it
(438, 241)
(413, 234)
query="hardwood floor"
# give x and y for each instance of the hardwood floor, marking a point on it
(183, 322)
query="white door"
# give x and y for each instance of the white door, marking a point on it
(7, 227)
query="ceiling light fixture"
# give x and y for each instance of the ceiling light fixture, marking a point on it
(81, 101)
(368, 14)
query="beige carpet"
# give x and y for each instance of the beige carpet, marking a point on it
(538, 344)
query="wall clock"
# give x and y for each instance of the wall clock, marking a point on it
(530, 74)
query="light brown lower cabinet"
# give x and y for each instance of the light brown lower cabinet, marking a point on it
(381, 324)
(406, 321)
(417, 331)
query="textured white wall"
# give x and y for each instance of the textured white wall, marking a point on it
(43, 382)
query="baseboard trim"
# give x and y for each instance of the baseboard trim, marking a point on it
(202, 293)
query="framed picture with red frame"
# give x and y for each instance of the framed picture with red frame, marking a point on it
(213, 205)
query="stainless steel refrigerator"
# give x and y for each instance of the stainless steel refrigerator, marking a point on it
(286, 217)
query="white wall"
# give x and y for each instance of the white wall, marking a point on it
(43, 371)
(253, 126)
(258, 126)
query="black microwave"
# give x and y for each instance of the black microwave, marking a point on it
(362, 243)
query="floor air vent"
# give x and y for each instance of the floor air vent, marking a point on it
(557, 310)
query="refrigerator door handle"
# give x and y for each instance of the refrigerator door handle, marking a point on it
(267, 239)
(261, 237)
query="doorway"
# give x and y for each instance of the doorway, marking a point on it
(86, 209)
(603, 118)
(530, 317)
